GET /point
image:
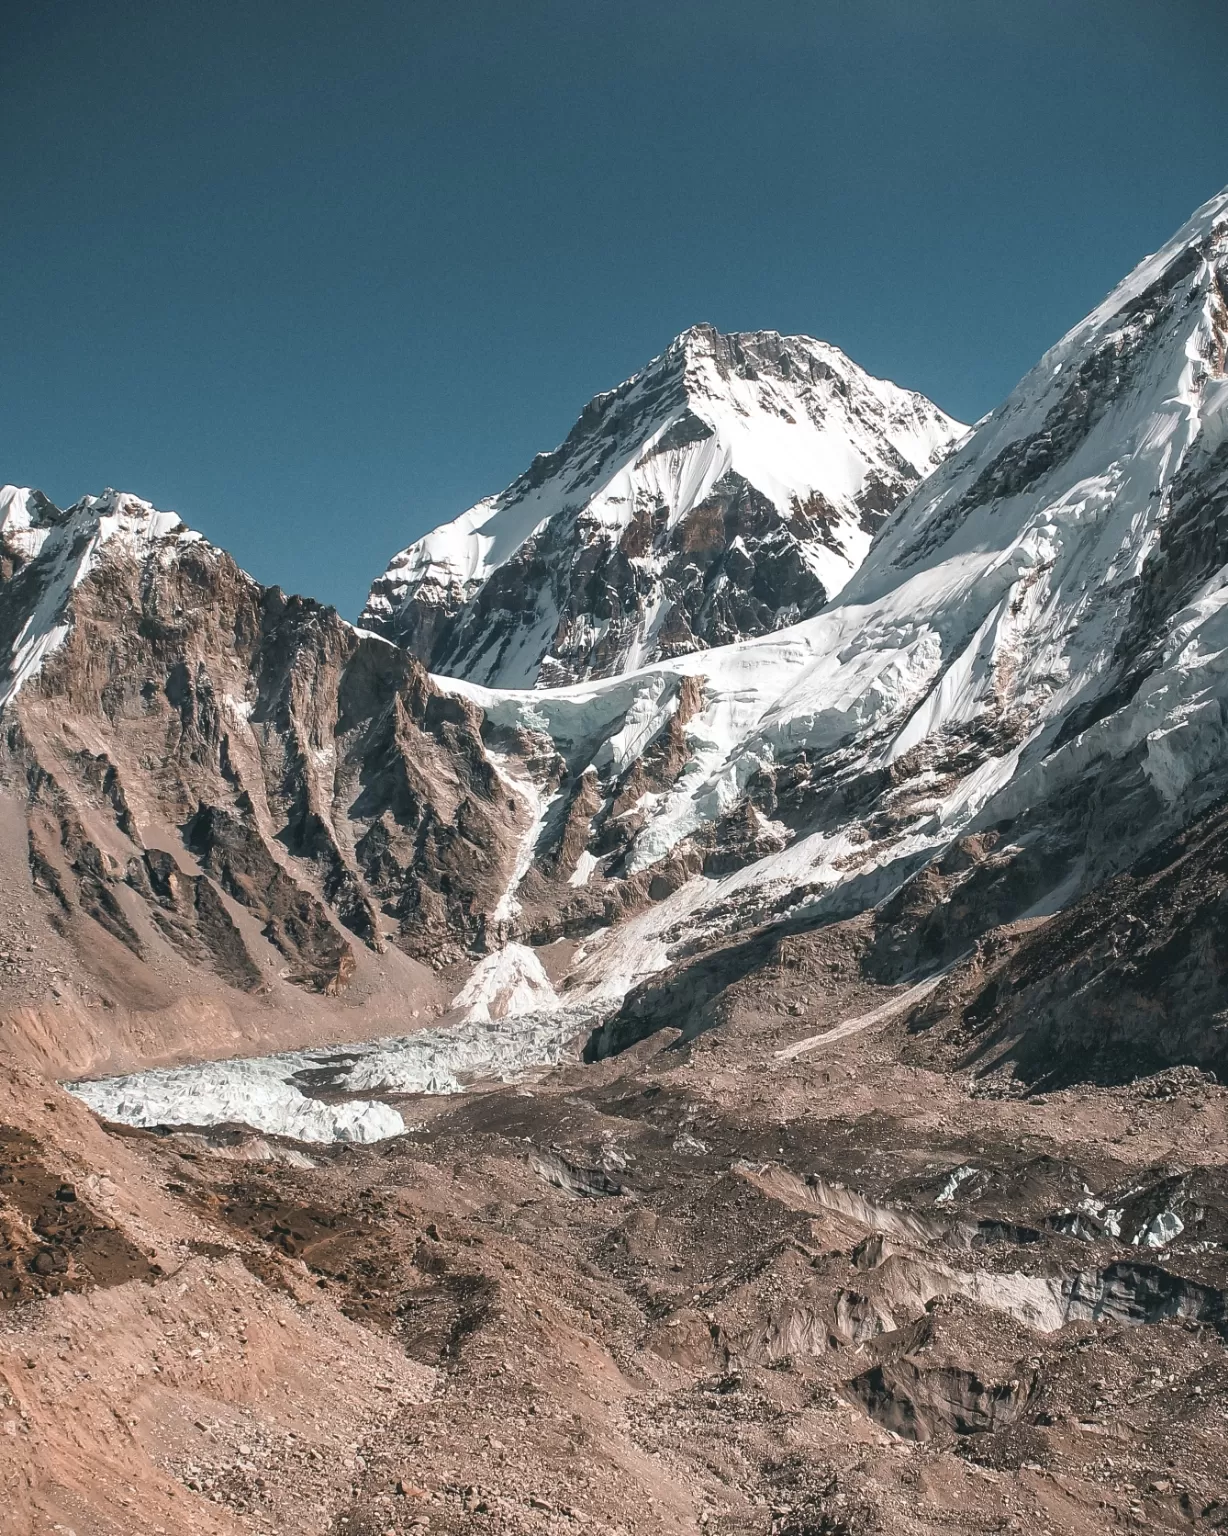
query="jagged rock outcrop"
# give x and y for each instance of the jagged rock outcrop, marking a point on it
(191, 745)
(731, 487)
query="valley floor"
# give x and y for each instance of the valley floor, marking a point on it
(729, 1287)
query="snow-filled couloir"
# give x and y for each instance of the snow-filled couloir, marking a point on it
(731, 487)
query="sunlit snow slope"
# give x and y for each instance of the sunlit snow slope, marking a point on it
(1034, 650)
(731, 487)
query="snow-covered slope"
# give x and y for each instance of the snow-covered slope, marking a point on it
(731, 487)
(1033, 651)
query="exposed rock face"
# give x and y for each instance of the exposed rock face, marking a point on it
(192, 745)
(214, 771)
(1128, 980)
(730, 488)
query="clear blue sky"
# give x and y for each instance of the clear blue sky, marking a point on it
(317, 276)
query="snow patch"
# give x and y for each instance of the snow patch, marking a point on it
(538, 805)
(505, 985)
(585, 865)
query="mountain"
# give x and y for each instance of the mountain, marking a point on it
(730, 488)
(778, 1085)
(1019, 697)
(1014, 700)
(236, 808)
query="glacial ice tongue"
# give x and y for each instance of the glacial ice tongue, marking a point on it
(507, 984)
(257, 1092)
(278, 1094)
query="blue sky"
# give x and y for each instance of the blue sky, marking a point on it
(319, 276)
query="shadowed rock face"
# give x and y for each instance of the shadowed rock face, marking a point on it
(199, 745)
(735, 568)
(1131, 979)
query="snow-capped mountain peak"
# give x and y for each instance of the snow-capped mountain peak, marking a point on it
(53, 551)
(730, 487)
(1031, 655)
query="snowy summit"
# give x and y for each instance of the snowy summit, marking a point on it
(730, 488)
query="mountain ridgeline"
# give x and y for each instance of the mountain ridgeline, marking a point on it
(800, 707)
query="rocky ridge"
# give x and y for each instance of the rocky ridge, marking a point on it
(222, 782)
